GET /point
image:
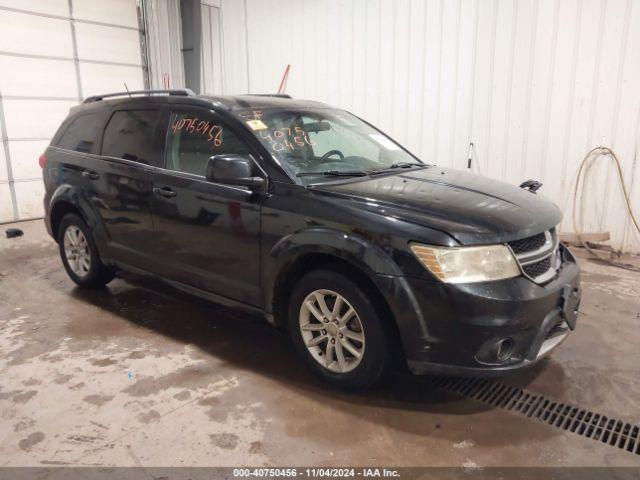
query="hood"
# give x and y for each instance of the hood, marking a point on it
(471, 208)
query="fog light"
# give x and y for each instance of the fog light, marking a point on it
(504, 349)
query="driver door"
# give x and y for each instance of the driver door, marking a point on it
(206, 233)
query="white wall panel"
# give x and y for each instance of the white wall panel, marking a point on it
(211, 71)
(4, 176)
(626, 138)
(116, 12)
(34, 35)
(534, 84)
(431, 99)
(23, 76)
(235, 60)
(6, 205)
(50, 7)
(34, 118)
(108, 44)
(98, 78)
(29, 197)
(24, 158)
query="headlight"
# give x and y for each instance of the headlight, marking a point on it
(467, 264)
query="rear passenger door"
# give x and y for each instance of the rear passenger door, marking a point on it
(207, 234)
(119, 183)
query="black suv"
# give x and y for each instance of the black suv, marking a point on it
(316, 220)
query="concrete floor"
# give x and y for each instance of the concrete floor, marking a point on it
(139, 374)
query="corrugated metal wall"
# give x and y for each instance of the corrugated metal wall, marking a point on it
(534, 84)
(164, 40)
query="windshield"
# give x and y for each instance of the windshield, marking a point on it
(312, 143)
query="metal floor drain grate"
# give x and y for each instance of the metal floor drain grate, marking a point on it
(586, 423)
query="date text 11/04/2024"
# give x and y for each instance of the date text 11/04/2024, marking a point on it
(316, 472)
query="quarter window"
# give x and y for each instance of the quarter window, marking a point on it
(81, 134)
(193, 138)
(130, 134)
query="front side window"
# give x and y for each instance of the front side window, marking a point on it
(194, 137)
(81, 134)
(310, 141)
(130, 134)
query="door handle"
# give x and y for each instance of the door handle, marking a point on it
(91, 175)
(164, 192)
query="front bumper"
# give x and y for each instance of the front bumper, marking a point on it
(460, 329)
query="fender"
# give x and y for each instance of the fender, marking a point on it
(355, 249)
(66, 193)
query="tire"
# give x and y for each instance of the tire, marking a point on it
(77, 244)
(349, 372)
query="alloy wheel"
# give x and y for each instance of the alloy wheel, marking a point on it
(76, 250)
(332, 331)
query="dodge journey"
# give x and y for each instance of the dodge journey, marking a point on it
(368, 257)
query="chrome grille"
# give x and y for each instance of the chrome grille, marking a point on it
(538, 255)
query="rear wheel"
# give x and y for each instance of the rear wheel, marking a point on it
(80, 255)
(338, 331)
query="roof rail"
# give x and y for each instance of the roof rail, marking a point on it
(279, 95)
(184, 92)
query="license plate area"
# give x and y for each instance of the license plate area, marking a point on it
(570, 305)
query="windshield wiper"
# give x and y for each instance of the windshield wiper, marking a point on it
(334, 173)
(396, 166)
(361, 173)
(405, 164)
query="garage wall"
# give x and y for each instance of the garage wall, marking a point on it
(534, 84)
(166, 63)
(53, 54)
(164, 41)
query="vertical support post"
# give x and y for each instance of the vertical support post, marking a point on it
(144, 48)
(76, 60)
(191, 18)
(246, 45)
(4, 139)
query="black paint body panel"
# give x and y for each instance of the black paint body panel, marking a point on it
(472, 208)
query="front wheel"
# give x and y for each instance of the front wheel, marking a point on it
(80, 255)
(338, 331)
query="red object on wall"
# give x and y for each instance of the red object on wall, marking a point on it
(283, 82)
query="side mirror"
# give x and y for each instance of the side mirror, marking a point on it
(232, 169)
(531, 185)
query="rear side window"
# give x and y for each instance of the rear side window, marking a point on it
(130, 134)
(81, 135)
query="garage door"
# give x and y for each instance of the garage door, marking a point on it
(54, 53)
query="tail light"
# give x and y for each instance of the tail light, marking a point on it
(42, 160)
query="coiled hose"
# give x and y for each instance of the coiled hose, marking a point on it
(592, 155)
